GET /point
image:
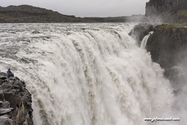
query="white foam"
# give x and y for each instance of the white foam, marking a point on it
(90, 77)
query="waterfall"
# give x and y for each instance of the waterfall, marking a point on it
(85, 74)
(144, 41)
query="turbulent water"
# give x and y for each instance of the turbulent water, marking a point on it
(86, 74)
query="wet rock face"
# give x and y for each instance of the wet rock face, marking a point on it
(15, 102)
(158, 6)
(167, 46)
(170, 11)
(31, 14)
(140, 31)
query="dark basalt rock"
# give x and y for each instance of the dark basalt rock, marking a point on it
(167, 46)
(35, 32)
(15, 102)
(170, 11)
(158, 6)
(140, 31)
(4, 104)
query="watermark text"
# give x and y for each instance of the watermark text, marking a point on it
(161, 119)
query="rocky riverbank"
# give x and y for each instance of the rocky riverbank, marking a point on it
(15, 102)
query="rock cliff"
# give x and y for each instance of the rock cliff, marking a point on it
(140, 31)
(172, 11)
(167, 45)
(159, 6)
(15, 102)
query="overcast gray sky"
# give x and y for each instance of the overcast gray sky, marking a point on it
(86, 8)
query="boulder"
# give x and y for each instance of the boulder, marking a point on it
(4, 104)
(35, 32)
(5, 120)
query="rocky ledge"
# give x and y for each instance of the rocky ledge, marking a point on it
(140, 31)
(15, 102)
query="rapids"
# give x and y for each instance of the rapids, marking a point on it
(86, 74)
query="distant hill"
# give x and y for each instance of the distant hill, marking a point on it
(172, 11)
(133, 18)
(30, 14)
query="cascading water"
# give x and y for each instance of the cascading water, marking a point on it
(85, 74)
(144, 41)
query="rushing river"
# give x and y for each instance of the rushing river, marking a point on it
(86, 74)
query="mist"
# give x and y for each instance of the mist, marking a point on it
(180, 87)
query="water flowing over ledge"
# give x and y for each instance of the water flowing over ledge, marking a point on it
(86, 74)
